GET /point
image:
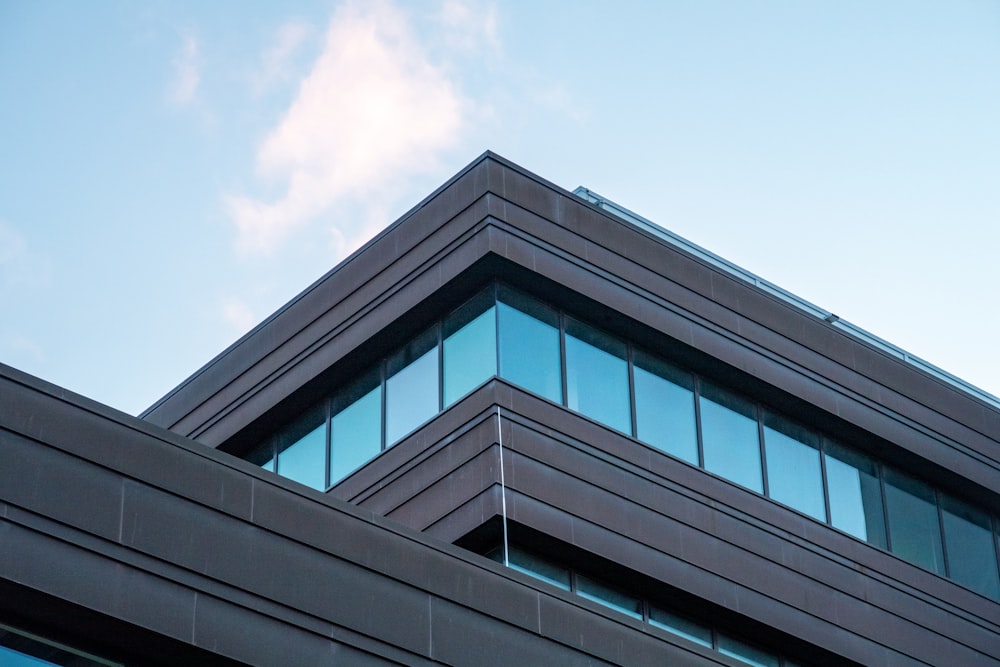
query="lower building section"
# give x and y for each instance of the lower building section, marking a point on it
(131, 545)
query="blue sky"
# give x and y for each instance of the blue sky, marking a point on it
(173, 172)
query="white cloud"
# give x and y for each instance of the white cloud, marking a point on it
(277, 64)
(372, 110)
(186, 73)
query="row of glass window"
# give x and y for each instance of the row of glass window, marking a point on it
(24, 649)
(635, 606)
(503, 332)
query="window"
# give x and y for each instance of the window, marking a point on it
(729, 437)
(302, 449)
(971, 547)
(597, 376)
(914, 528)
(794, 472)
(411, 390)
(680, 626)
(855, 494)
(608, 596)
(470, 347)
(356, 426)
(529, 345)
(664, 408)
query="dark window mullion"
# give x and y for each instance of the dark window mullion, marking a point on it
(440, 365)
(631, 389)
(496, 327)
(563, 371)
(384, 399)
(329, 441)
(760, 446)
(826, 485)
(880, 469)
(697, 421)
(944, 542)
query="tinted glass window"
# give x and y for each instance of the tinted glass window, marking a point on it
(411, 391)
(608, 596)
(972, 559)
(538, 567)
(746, 653)
(914, 530)
(855, 494)
(679, 625)
(302, 449)
(730, 439)
(263, 456)
(470, 347)
(529, 345)
(664, 408)
(597, 376)
(356, 427)
(794, 474)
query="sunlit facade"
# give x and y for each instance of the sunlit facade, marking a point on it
(516, 428)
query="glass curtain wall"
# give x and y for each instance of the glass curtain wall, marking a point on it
(503, 332)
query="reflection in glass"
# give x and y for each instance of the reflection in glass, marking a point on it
(302, 449)
(855, 494)
(746, 653)
(470, 347)
(972, 558)
(794, 474)
(597, 376)
(356, 427)
(681, 626)
(411, 392)
(664, 408)
(730, 439)
(529, 344)
(914, 531)
(608, 596)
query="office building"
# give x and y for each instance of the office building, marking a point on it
(520, 426)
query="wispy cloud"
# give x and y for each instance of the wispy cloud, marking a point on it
(470, 25)
(277, 64)
(373, 109)
(20, 266)
(186, 75)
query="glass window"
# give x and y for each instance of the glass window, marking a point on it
(302, 449)
(794, 473)
(597, 376)
(529, 344)
(746, 653)
(855, 494)
(608, 596)
(356, 427)
(263, 456)
(664, 408)
(681, 626)
(538, 567)
(730, 439)
(968, 536)
(914, 530)
(411, 392)
(470, 347)
(21, 649)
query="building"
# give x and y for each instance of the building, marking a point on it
(538, 431)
